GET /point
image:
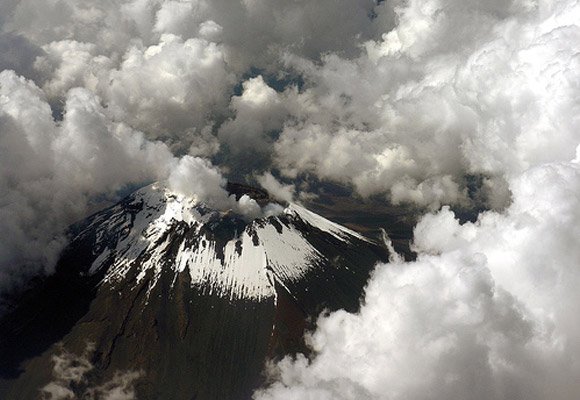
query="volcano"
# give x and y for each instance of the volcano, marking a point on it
(192, 300)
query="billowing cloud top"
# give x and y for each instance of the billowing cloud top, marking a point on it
(489, 310)
(429, 102)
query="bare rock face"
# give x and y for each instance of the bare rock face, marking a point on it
(189, 300)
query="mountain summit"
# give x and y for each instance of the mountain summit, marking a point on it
(194, 299)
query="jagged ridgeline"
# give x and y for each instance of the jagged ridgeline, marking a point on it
(193, 298)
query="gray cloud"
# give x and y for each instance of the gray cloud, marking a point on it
(168, 68)
(17, 53)
(427, 104)
(53, 172)
(259, 110)
(50, 171)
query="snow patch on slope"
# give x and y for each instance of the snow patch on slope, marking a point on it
(158, 230)
(338, 231)
(241, 273)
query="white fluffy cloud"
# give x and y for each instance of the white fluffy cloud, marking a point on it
(259, 110)
(172, 88)
(71, 64)
(454, 89)
(407, 98)
(490, 310)
(198, 179)
(49, 172)
(167, 67)
(52, 173)
(195, 177)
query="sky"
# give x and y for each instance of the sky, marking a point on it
(436, 104)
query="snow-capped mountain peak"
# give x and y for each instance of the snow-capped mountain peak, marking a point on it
(156, 229)
(194, 297)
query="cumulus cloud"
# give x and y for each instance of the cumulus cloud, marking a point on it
(454, 90)
(408, 98)
(91, 21)
(52, 173)
(196, 178)
(489, 310)
(70, 64)
(17, 53)
(168, 68)
(254, 31)
(170, 89)
(259, 111)
(178, 57)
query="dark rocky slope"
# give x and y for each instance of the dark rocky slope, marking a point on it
(194, 299)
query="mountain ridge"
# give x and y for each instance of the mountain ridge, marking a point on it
(176, 289)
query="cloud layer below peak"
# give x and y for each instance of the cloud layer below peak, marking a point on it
(435, 103)
(489, 310)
